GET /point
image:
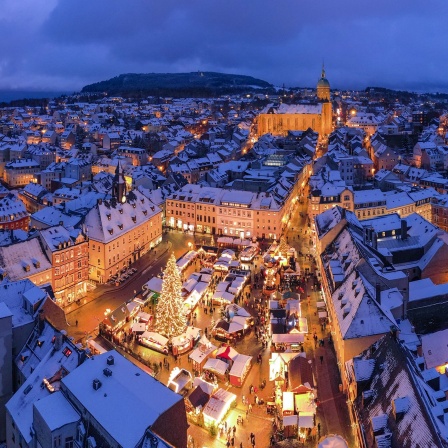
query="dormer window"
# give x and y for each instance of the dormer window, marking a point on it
(134, 205)
(111, 231)
(145, 212)
(134, 219)
(120, 210)
(120, 226)
(108, 216)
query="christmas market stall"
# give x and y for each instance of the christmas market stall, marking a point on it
(240, 369)
(223, 298)
(215, 368)
(154, 341)
(198, 397)
(290, 341)
(217, 407)
(186, 260)
(114, 321)
(185, 341)
(138, 328)
(179, 379)
(200, 355)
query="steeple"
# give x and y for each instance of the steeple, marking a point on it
(323, 70)
(119, 184)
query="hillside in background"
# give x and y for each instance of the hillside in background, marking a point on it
(176, 84)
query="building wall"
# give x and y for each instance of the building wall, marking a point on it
(21, 223)
(280, 124)
(436, 268)
(19, 177)
(70, 273)
(106, 259)
(6, 382)
(57, 438)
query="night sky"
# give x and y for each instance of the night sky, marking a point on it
(65, 44)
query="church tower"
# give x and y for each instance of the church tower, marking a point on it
(323, 87)
(323, 95)
(119, 185)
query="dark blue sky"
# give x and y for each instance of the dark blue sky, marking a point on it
(65, 44)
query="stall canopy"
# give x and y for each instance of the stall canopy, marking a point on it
(226, 352)
(290, 338)
(305, 403)
(289, 420)
(218, 406)
(138, 328)
(306, 420)
(183, 262)
(321, 305)
(202, 352)
(235, 310)
(216, 366)
(223, 296)
(300, 375)
(239, 364)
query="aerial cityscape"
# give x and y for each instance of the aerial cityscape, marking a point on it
(217, 230)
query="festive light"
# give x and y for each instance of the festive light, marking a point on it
(170, 319)
(283, 247)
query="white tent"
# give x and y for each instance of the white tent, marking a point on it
(216, 366)
(235, 310)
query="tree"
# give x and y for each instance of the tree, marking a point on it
(283, 247)
(170, 319)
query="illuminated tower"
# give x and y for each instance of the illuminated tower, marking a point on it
(323, 87)
(323, 95)
(119, 185)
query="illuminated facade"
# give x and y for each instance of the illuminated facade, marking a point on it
(278, 120)
(120, 233)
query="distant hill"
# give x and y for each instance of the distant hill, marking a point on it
(176, 84)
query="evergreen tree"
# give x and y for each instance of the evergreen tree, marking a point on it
(170, 319)
(283, 247)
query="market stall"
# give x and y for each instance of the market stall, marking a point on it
(289, 341)
(240, 369)
(217, 407)
(200, 355)
(138, 328)
(223, 298)
(290, 425)
(216, 367)
(179, 379)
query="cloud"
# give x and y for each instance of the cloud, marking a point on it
(66, 44)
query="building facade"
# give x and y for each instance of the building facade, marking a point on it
(278, 120)
(69, 255)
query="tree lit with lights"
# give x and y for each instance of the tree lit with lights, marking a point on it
(283, 247)
(170, 319)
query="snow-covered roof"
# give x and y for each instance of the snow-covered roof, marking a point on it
(110, 220)
(56, 411)
(119, 405)
(435, 349)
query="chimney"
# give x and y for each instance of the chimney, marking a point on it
(374, 240)
(404, 229)
(58, 341)
(378, 293)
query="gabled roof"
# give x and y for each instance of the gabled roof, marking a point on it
(399, 403)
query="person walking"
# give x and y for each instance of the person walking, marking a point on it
(321, 359)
